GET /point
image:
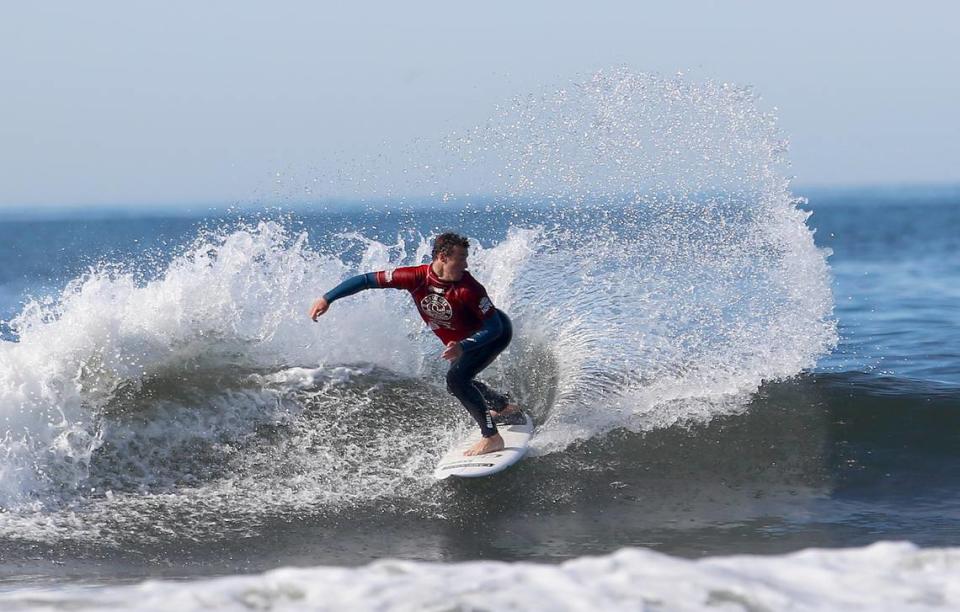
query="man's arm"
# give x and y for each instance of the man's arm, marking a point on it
(354, 284)
(400, 278)
(478, 302)
(492, 328)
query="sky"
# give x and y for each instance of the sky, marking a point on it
(164, 103)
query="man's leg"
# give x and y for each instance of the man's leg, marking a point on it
(461, 384)
(494, 399)
(498, 404)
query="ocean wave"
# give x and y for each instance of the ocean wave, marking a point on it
(206, 387)
(883, 576)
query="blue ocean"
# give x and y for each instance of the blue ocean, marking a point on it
(743, 389)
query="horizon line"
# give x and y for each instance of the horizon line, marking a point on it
(140, 209)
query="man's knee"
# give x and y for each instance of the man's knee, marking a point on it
(455, 381)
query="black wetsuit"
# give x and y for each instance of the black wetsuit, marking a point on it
(477, 397)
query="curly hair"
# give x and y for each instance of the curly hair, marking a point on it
(445, 242)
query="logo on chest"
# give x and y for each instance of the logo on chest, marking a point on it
(436, 307)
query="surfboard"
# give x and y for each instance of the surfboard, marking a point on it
(516, 429)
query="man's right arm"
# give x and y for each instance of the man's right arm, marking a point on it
(354, 284)
(400, 278)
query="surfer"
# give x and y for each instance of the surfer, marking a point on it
(456, 307)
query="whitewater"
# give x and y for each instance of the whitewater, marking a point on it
(880, 577)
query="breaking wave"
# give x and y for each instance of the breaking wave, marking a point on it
(643, 239)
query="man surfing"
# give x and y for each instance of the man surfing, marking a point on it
(456, 307)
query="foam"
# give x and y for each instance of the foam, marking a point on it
(883, 576)
(235, 299)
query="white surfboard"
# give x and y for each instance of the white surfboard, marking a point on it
(516, 431)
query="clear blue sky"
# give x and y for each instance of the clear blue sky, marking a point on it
(174, 102)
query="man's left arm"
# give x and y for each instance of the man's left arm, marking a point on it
(483, 309)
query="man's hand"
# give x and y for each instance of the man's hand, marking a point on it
(319, 307)
(453, 351)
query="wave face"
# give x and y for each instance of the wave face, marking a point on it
(640, 233)
(684, 273)
(883, 576)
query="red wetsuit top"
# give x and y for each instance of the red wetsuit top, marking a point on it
(453, 310)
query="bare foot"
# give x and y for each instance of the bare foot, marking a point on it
(486, 445)
(507, 410)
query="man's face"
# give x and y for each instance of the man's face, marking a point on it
(454, 264)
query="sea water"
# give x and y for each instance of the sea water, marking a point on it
(718, 367)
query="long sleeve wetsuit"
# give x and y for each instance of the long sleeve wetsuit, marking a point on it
(457, 311)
